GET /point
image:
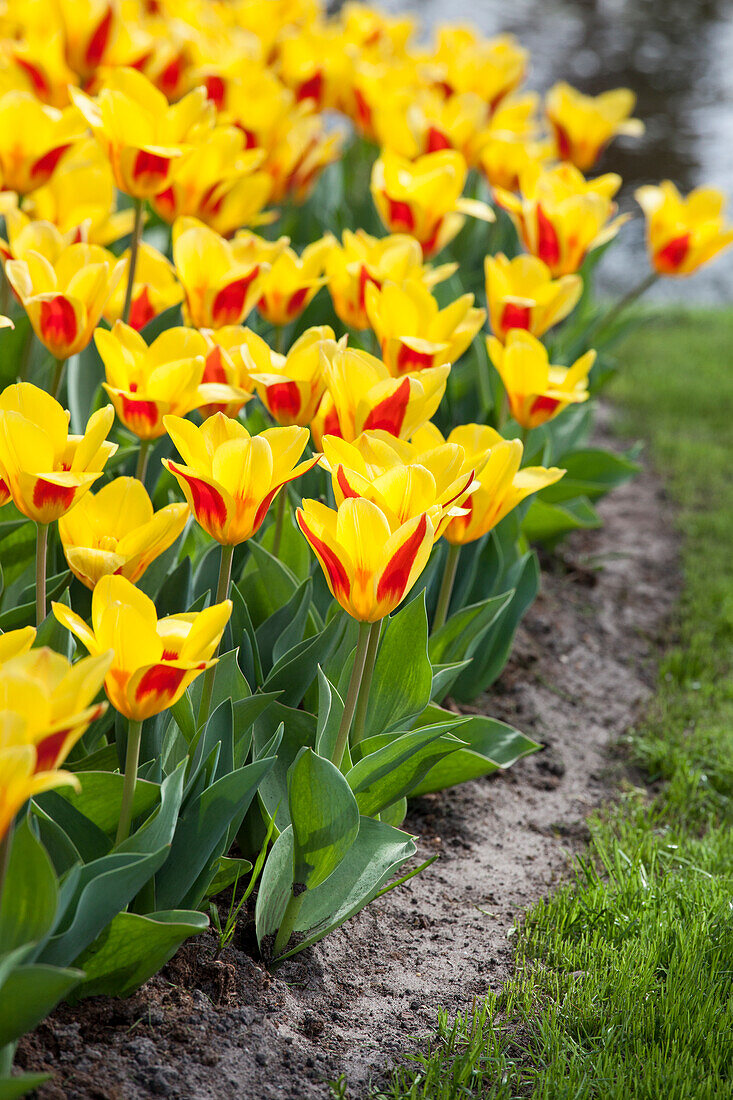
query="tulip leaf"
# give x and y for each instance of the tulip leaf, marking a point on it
(100, 798)
(296, 669)
(299, 731)
(243, 634)
(324, 815)
(175, 592)
(403, 676)
(460, 636)
(21, 1084)
(491, 745)
(548, 523)
(444, 676)
(393, 770)
(28, 994)
(206, 577)
(30, 894)
(132, 948)
(284, 629)
(267, 583)
(330, 712)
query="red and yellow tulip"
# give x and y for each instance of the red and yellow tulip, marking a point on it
(683, 233)
(220, 280)
(291, 386)
(20, 781)
(522, 293)
(293, 281)
(583, 125)
(537, 390)
(231, 478)
(226, 366)
(117, 531)
(489, 67)
(47, 470)
(154, 660)
(155, 288)
(33, 138)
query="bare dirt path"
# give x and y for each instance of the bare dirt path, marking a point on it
(204, 1030)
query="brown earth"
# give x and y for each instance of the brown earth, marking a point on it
(207, 1029)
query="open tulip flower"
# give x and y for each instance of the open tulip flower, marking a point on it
(413, 332)
(292, 282)
(683, 233)
(154, 659)
(20, 781)
(560, 216)
(89, 28)
(155, 288)
(364, 395)
(361, 259)
(220, 281)
(423, 197)
(369, 559)
(117, 531)
(505, 157)
(146, 383)
(64, 299)
(300, 151)
(48, 471)
(537, 390)
(291, 386)
(490, 67)
(26, 236)
(33, 138)
(583, 125)
(522, 293)
(48, 703)
(140, 133)
(231, 478)
(225, 365)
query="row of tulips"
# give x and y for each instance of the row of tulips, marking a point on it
(281, 545)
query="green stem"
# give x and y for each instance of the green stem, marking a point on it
(134, 736)
(282, 504)
(623, 303)
(362, 702)
(41, 555)
(446, 586)
(222, 591)
(287, 924)
(137, 232)
(279, 339)
(352, 694)
(58, 375)
(26, 355)
(142, 459)
(5, 845)
(524, 437)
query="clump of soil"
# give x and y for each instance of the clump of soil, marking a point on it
(215, 1029)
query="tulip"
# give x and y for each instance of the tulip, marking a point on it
(153, 662)
(365, 396)
(413, 332)
(583, 125)
(221, 285)
(116, 531)
(560, 216)
(414, 123)
(33, 138)
(89, 29)
(64, 299)
(290, 386)
(683, 233)
(225, 365)
(362, 259)
(154, 288)
(20, 781)
(300, 151)
(292, 282)
(423, 197)
(505, 157)
(14, 642)
(537, 390)
(522, 293)
(491, 67)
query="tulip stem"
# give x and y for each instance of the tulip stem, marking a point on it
(222, 592)
(41, 555)
(352, 693)
(142, 460)
(624, 301)
(137, 232)
(5, 845)
(58, 375)
(132, 756)
(287, 924)
(446, 586)
(362, 702)
(525, 437)
(282, 504)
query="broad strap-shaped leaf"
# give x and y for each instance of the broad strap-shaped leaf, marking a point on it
(30, 894)
(29, 994)
(491, 745)
(393, 770)
(403, 676)
(324, 816)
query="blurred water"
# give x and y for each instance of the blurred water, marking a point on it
(677, 55)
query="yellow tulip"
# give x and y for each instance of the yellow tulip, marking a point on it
(301, 150)
(20, 781)
(230, 478)
(226, 366)
(522, 293)
(154, 660)
(89, 28)
(414, 124)
(292, 282)
(33, 138)
(290, 386)
(423, 197)
(560, 216)
(413, 332)
(220, 281)
(583, 125)
(489, 67)
(145, 383)
(14, 642)
(537, 390)
(505, 157)
(370, 564)
(683, 233)
(48, 703)
(47, 470)
(361, 259)
(64, 299)
(155, 288)
(117, 531)
(140, 133)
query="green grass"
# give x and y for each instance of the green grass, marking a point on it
(624, 981)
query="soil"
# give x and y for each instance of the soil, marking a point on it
(208, 1029)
